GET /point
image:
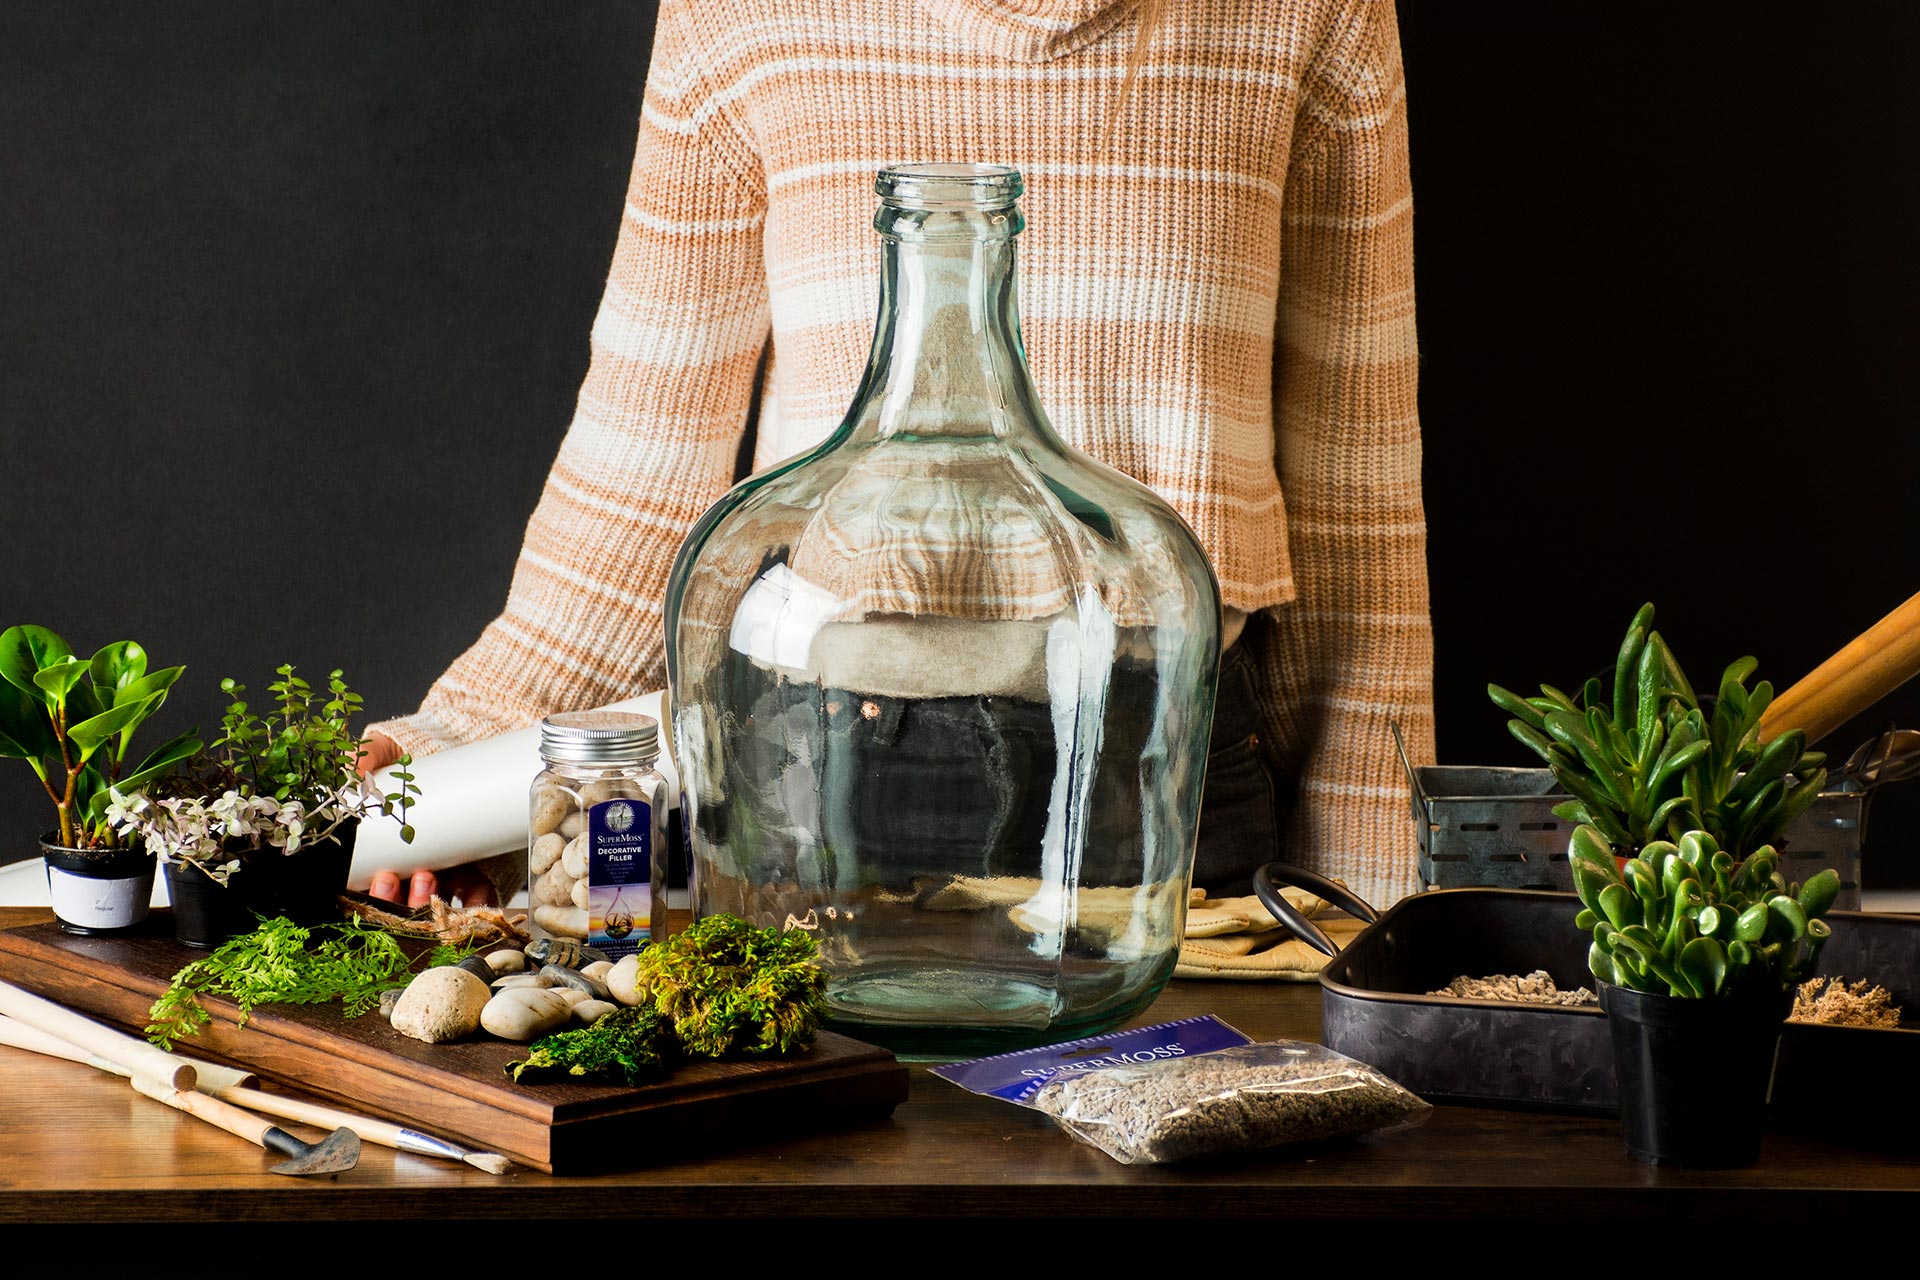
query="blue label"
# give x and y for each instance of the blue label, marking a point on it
(1018, 1076)
(619, 872)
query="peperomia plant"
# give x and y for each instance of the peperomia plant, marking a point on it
(1685, 920)
(1649, 763)
(73, 719)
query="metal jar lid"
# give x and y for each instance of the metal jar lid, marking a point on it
(599, 737)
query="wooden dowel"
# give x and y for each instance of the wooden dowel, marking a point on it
(137, 1056)
(1880, 660)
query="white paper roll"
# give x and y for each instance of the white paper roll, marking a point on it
(473, 802)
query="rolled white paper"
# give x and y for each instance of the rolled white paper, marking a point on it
(473, 802)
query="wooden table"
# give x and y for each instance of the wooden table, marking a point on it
(77, 1146)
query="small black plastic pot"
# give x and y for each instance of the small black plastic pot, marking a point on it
(206, 913)
(305, 886)
(1694, 1074)
(96, 891)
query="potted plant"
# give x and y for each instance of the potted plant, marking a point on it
(1698, 939)
(73, 720)
(1650, 763)
(263, 821)
(1697, 959)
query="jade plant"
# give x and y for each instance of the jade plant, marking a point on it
(1684, 919)
(73, 719)
(1646, 762)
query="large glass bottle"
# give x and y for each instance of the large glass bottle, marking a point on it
(942, 686)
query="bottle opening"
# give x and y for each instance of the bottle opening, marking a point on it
(949, 186)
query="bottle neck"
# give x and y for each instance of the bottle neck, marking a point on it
(947, 358)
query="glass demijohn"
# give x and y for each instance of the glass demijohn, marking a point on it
(942, 686)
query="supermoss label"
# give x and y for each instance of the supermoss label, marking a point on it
(619, 874)
(1018, 1076)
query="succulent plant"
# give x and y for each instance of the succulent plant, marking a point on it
(1686, 920)
(1649, 763)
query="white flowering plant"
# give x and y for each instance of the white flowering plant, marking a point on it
(280, 782)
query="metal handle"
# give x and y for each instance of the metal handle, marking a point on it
(1266, 886)
(1422, 811)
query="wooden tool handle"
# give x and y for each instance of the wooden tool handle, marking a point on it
(242, 1124)
(274, 1104)
(1878, 661)
(137, 1056)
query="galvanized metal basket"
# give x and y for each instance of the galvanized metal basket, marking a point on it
(1481, 827)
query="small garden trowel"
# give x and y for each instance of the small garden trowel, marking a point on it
(335, 1153)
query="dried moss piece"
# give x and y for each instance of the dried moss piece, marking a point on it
(1844, 1005)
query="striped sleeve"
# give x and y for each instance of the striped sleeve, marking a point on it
(655, 432)
(1353, 654)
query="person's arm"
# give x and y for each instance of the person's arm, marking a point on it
(653, 440)
(1354, 652)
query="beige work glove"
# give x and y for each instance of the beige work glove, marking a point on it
(1239, 938)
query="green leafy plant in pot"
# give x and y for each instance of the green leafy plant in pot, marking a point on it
(1698, 939)
(263, 822)
(72, 720)
(1697, 958)
(1647, 762)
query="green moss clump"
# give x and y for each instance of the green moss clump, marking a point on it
(628, 1044)
(730, 988)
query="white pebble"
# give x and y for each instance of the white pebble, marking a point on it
(598, 969)
(506, 960)
(554, 888)
(623, 980)
(546, 852)
(565, 922)
(525, 1013)
(574, 859)
(573, 824)
(589, 1012)
(538, 981)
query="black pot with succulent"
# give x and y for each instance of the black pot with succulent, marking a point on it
(262, 823)
(1698, 940)
(72, 720)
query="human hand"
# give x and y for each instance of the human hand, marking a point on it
(376, 752)
(464, 885)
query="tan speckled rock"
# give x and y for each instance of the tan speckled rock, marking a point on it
(555, 888)
(546, 851)
(550, 809)
(440, 1005)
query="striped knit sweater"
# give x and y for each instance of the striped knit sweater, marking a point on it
(1216, 295)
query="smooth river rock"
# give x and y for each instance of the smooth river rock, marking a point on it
(525, 1013)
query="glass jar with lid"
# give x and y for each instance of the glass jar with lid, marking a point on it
(596, 832)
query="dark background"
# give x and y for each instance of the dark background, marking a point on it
(294, 302)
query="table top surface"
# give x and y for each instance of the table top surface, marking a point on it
(77, 1145)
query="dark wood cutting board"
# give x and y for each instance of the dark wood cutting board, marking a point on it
(460, 1091)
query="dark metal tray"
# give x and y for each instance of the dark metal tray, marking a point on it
(1374, 1008)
